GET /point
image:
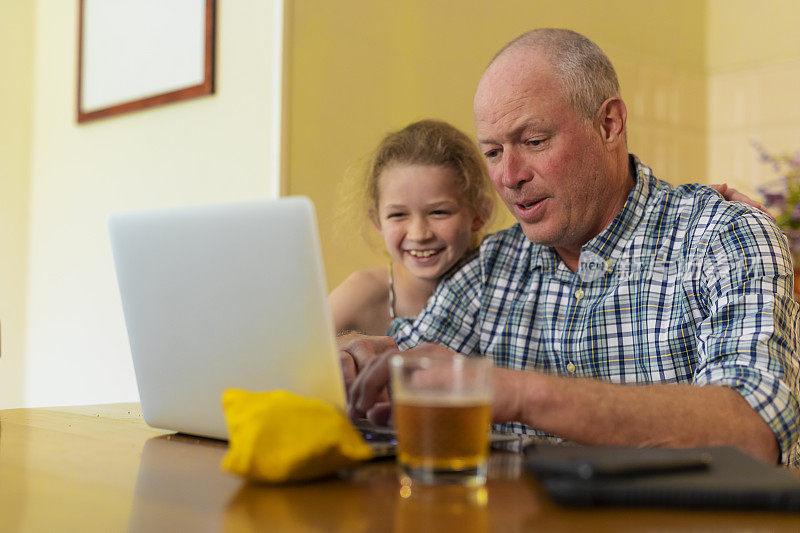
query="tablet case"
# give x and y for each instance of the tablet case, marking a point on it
(732, 480)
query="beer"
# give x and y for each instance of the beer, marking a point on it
(443, 434)
(442, 411)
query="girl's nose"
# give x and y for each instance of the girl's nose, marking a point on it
(419, 230)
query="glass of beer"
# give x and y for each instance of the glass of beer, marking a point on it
(442, 415)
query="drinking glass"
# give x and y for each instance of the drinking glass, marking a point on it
(442, 415)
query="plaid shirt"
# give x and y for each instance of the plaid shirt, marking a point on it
(682, 287)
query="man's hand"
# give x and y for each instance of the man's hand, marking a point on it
(369, 394)
(732, 195)
(357, 350)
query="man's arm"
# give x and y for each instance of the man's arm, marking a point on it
(593, 412)
(748, 338)
(452, 316)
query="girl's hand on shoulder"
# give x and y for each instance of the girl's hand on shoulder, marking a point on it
(732, 195)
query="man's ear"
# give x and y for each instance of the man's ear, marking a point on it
(611, 119)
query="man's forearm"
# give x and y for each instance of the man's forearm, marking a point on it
(593, 412)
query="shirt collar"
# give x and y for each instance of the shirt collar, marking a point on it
(543, 257)
(610, 243)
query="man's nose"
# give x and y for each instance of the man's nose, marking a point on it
(515, 171)
(419, 230)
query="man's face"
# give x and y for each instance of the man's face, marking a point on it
(547, 163)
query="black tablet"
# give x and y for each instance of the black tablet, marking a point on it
(707, 478)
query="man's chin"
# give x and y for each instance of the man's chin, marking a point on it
(539, 235)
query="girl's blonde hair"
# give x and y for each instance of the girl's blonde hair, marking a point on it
(435, 143)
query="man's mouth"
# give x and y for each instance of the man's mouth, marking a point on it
(525, 206)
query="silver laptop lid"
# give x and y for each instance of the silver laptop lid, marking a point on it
(224, 296)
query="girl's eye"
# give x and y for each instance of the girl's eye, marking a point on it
(440, 212)
(394, 215)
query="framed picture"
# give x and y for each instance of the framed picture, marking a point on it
(135, 54)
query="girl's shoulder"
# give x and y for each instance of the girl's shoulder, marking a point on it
(360, 302)
(369, 283)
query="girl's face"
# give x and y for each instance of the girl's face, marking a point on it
(422, 216)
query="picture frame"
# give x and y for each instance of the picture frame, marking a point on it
(138, 54)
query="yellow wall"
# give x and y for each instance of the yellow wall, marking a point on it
(213, 149)
(744, 34)
(754, 74)
(360, 68)
(16, 66)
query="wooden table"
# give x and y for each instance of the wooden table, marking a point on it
(101, 468)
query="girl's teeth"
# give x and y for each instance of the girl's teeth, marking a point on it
(422, 253)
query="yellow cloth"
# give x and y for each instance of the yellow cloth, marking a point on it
(280, 436)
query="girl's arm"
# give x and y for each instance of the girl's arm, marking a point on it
(361, 303)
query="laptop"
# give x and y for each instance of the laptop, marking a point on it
(229, 296)
(224, 296)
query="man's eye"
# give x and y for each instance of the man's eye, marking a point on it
(491, 153)
(535, 142)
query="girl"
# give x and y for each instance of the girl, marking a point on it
(429, 196)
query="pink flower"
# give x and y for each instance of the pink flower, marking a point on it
(773, 199)
(796, 213)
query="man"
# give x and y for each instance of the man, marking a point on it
(611, 278)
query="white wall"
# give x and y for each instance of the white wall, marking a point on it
(221, 148)
(16, 66)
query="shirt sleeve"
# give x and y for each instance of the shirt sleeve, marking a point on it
(451, 316)
(748, 340)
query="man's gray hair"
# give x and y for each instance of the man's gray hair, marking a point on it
(580, 65)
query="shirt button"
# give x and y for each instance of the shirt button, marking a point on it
(579, 294)
(571, 368)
